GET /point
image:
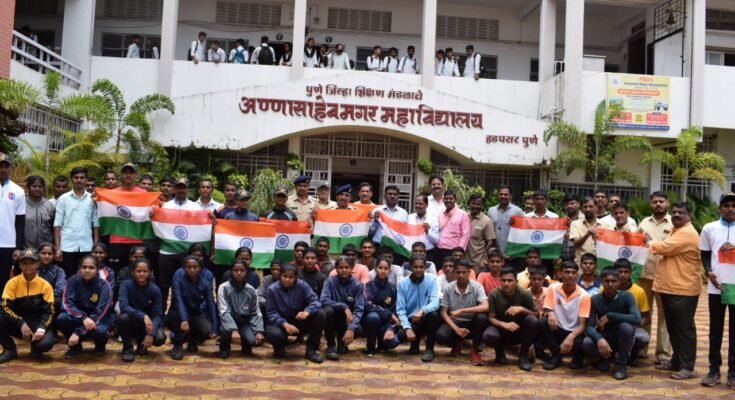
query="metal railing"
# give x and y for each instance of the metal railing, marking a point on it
(44, 121)
(35, 56)
(587, 189)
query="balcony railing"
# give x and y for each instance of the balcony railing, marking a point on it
(587, 189)
(33, 55)
(43, 121)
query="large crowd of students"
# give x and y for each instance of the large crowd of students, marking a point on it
(456, 289)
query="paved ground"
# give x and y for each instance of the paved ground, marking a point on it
(385, 376)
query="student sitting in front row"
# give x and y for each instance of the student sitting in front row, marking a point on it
(396, 273)
(343, 302)
(242, 322)
(380, 310)
(588, 279)
(310, 273)
(641, 336)
(251, 277)
(494, 262)
(417, 249)
(268, 280)
(54, 275)
(88, 310)
(141, 312)
(417, 308)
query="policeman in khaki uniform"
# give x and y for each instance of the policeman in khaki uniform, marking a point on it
(301, 203)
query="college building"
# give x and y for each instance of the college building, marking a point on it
(669, 63)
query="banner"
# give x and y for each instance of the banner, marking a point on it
(643, 99)
(179, 229)
(126, 214)
(547, 234)
(341, 227)
(612, 245)
(230, 235)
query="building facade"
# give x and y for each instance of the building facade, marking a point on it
(542, 60)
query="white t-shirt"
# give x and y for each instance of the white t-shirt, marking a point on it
(713, 236)
(609, 220)
(186, 205)
(12, 203)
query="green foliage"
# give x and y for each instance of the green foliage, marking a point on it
(703, 212)
(456, 182)
(215, 181)
(15, 96)
(554, 202)
(425, 166)
(241, 180)
(596, 156)
(293, 161)
(264, 183)
(218, 196)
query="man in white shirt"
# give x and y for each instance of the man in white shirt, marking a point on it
(216, 54)
(12, 219)
(264, 59)
(540, 198)
(205, 202)
(311, 54)
(438, 62)
(449, 65)
(239, 55)
(134, 48)
(409, 63)
(390, 63)
(391, 209)
(373, 61)
(340, 59)
(198, 49)
(473, 64)
(429, 221)
(436, 200)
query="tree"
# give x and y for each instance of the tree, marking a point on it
(15, 96)
(594, 153)
(687, 162)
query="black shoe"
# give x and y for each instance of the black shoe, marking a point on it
(552, 363)
(246, 351)
(621, 372)
(414, 349)
(192, 347)
(500, 358)
(141, 350)
(428, 356)
(368, 353)
(100, 348)
(7, 355)
(314, 357)
(73, 351)
(576, 363)
(332, 353)
(633, 361)
(603, 365)
(177, 352)
(542, 355)
(342, 348)
(524, 363)
(127, 355)
(280, 353)
(224, 354)
(36, 354)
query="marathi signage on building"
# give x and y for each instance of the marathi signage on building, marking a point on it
(643, 99)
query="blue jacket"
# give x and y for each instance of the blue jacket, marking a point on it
(282, 304)
(91, 299)
(251, 278)
(56, 277)
(341, 295)
(414, 296)
(380, 298)
(139, 301)
(244, 215)
(194, 298)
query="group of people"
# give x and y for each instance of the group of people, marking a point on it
(457, 285)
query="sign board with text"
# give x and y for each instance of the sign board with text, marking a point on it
(643, 99)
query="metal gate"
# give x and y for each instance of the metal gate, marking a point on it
(319, 169)
(400, 173)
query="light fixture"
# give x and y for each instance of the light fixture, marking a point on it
(670, 18)
(279, 36)
(328, 39)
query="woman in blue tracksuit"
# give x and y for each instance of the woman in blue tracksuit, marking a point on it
(380, 311)
(54, 275)
(192, 316)
(141, 311)
(251, 277)
(87, 304)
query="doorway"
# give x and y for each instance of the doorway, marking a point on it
(637, 54)
(353, 179)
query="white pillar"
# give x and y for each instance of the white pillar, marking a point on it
(697, 61)
(547, 40)
(299, 30)
(169, 26)
(573, 59)
(428, 43)
(78, 32)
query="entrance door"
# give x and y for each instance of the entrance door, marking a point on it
(400, 173)
(637, 54)
(319, 169)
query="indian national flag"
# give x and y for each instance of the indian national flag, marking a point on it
(612, 245)
(545, 233)
(179, 229)
(126, 214)
(287, 234)
(726, 273)
(259, 237)
(360, 206)
(341, 227)
(400, 236)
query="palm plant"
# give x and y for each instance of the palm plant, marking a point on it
(15, 96)
(594, 153)
(264, 183)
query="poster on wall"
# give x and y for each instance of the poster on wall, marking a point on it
(643, 99)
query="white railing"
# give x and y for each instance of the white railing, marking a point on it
(43, 121)
(587, 189)
(33, 55)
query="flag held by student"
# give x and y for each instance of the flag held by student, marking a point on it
(230, 235)
(288, 233)
(726, 274)
(612, 245)
(341, 227)
(179, 229)
(547, 234)
(400, 236)
(126, 214)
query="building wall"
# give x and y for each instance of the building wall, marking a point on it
(7, 11)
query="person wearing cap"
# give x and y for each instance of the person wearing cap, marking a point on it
(119, 245)
(230, 205)
(242, 213)
(322, 193)
(205, 201)
(344, 198)
(12, 219)
(26, 310)
(715, 244)
(280, 211)
(301, 203)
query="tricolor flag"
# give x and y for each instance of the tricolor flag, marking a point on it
(369, 207)
(259, 237)
(179, 229)
(288, 233)
(341, 227)
(400, 236)
(126, 214)
(545, 233)
(612, 245)
(726, 274)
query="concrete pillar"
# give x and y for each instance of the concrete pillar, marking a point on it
(547, 40)
(169, 26)
(78, 32)
(428, 43)
(299, 31)
(573, 59)
(697, 61)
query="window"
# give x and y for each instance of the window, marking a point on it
(612, 68)
(36, 7)
(534, 70)
(720, 58)
(466, 28)
(359, 20)
(136, 9)
(721, 20)
(251, 14)
(116, 44)
(489, 65)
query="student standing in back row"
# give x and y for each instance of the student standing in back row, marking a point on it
(239, 55)
(264, 54)
(198, 49)
(449, 65)
(409, 63)
(473, 65)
